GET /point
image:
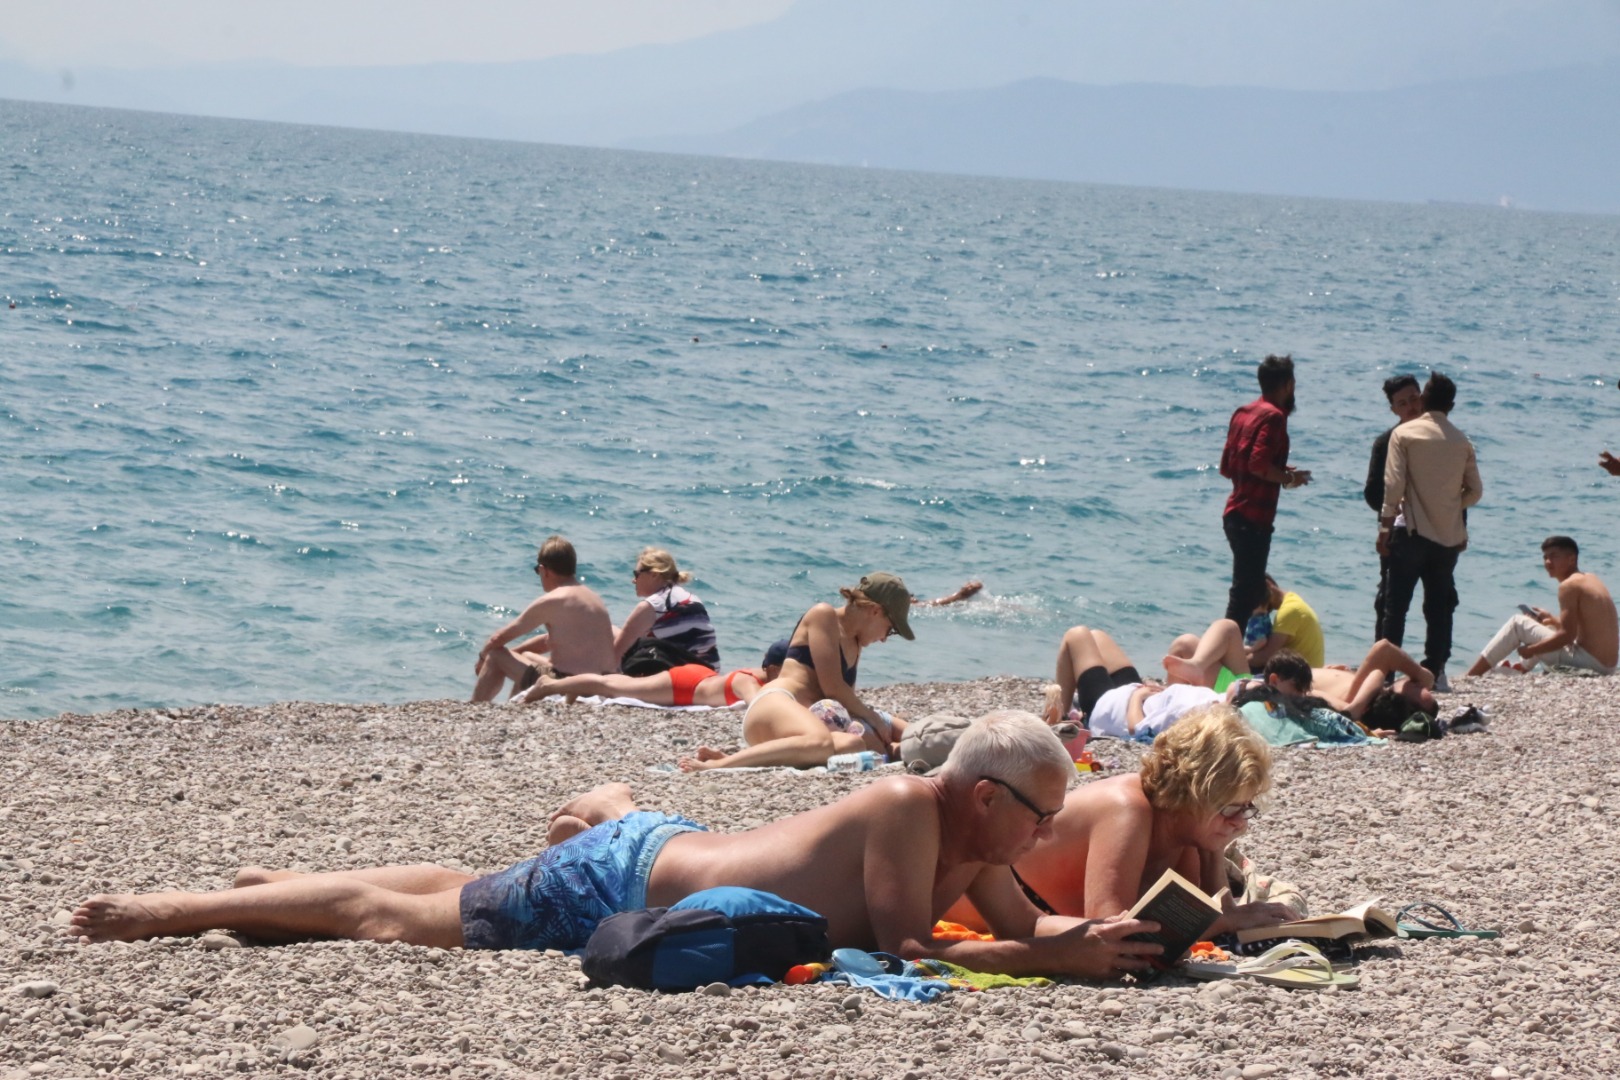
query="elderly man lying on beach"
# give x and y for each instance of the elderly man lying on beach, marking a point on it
(881, 864)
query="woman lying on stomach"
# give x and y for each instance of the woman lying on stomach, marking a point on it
(1114, 838)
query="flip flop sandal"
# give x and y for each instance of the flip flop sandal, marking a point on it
(1292, 964)
(1410, 925)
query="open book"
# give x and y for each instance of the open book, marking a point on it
(1182, 910)
(1365, 920)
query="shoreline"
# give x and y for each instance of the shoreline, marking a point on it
(1509, 830)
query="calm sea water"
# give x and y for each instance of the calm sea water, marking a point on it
(286, 410)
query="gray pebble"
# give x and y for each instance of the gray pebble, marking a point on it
(671, 1054)
(38, 988)
(295, 1039)
(215, 942)
(716, 989)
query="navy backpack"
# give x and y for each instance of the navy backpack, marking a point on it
(728, 935)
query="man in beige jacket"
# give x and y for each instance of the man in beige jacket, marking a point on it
(1430, 480)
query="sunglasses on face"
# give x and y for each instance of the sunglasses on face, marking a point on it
(1239, 811)
(1041, 816)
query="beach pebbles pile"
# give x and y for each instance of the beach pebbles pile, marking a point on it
(1511, 829)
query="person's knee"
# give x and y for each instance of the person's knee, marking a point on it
(1076, 634)
(1187, 644)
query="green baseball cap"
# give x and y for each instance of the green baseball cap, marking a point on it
(891, 594)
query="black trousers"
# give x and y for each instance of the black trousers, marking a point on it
(1381, 598)
(1251, 547)
(1414, 558)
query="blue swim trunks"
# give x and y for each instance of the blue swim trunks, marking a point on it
(555, 900)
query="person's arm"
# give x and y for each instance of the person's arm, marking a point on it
(1210, 870)
(967, 590)
(1394, 489)
(636, 625)
(1373, 492)
(1116, 856)
(821, 622)
(1135, 712)
(533, 616)
(1609, 463)
(1473, 487)
(1264, 454)
(900, 863)
(1268, 648)
(1566, 625)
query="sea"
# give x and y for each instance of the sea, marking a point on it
(287, 410)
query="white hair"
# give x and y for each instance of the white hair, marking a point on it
(1010, 745)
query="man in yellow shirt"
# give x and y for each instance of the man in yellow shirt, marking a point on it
(1293, 626)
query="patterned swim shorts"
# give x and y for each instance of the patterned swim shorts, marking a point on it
(555, 900)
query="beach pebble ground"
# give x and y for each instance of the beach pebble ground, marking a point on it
(1512, 829)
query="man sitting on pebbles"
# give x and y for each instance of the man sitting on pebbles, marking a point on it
(930, 840)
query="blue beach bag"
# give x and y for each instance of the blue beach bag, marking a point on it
(729, 935)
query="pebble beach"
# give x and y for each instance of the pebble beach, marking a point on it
(1510, 829)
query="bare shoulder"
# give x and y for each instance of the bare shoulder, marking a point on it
(820, 615)
(1118, 796)
(910, 795)
(579, 596)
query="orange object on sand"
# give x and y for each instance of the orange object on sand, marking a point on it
(1208, 950)
(949, 931)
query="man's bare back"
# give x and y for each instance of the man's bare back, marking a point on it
(580, 628)
(1597, 629)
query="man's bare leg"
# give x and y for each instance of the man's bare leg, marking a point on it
(319, 905)
(418, 880)
(1219, 646)
(606, 802)
(498, 666)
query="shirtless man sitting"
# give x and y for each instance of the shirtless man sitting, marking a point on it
(579, 635)
(882, 865)
(1584, 633)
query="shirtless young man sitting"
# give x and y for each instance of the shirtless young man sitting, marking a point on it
(1584, 633)
(882, 865)
(579, 634)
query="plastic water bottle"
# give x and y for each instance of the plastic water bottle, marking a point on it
(861, 761)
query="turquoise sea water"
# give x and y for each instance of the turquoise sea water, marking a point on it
(286, 410)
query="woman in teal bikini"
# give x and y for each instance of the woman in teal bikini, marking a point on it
(792, 720)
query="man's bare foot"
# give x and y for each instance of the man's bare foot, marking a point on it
(258, 875)
(120, 917)
(605, 802)
(1180, 670)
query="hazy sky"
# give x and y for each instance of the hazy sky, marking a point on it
(155, 33)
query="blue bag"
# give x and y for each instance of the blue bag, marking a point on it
(729, 934)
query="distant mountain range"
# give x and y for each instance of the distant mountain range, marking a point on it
(1539, 140)
(940, 85)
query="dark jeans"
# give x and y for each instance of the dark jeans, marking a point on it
(1414, 558)
(1251, 546)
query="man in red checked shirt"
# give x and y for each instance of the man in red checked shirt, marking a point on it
(1256, 461)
